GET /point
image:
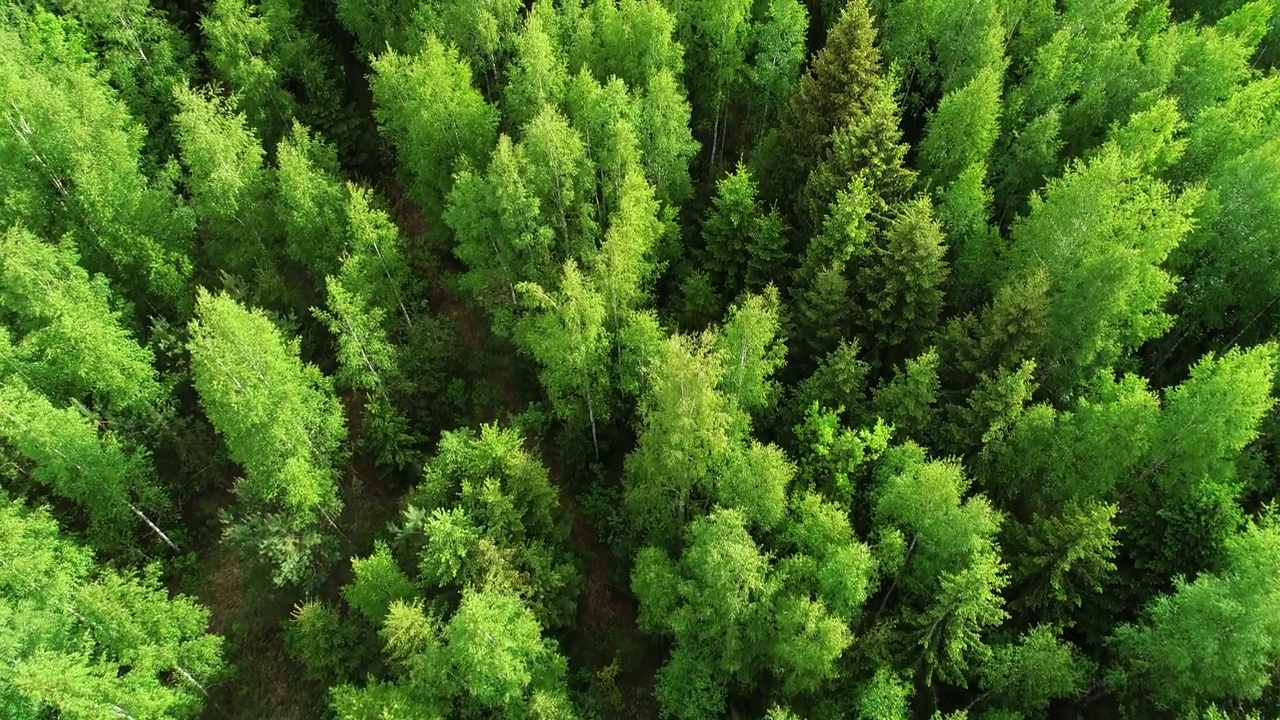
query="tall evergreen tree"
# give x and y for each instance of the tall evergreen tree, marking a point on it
(281, 423)
(568, 336)
(745, 243)
(65, 454)
(869, 146)
(1213, 638)
(143, 54)
(963, 130)
(310, 201)
(1101, 232)
(830, 95)
(228, 185)
(538, 72)
(385, 349)
(949, 571)
(1207, 421)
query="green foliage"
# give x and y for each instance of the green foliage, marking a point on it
(902, 282)
(538, 74)
(553, 197)
(963, 130)
(715, 603)
(497, 650)
(1211, 639)
(964, 209)
(1230, 247)
(831, 454)
(227, 183)
(431, 114)
(1060, 560)
(276, 60)
(1074, 455)
(568, 336)
(368, 361)
(84, 640)
(661, 117)
(384, 350)
(624, 266)
(72, 165)
(481, 31)
(821, 284)
(952, 576)
(838, 382)
(72, 343)
(1207, 421)
(729, 607)
(489, 657)
(1106, 288)
(693, 449)
(279, 417)
(746, 244)
(310, 201)
(67, 456)
(829, 96)
(946, 47)
(1039, 668)
(708, 262)
(779, 53)
(144, 57)
(868, 146)
(240, 51)
(751, 350)
(377, 584)
(842, 567)
(496, 219)
(317, 637)
(377, 24)
(884, 696)
(486, 513)
(281, 422)
(908, 400)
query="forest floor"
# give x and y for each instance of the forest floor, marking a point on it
(265, 682)
(609, 643)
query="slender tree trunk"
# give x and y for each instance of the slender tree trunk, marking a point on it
(395, 286)
(591, 413)
(715, 138)
(724, 130)
(133, 36)
(153, 527)
(503, 263)
(889, 593)
(191, 680)
(364, 356)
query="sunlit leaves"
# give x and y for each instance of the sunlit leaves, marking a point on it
(85, 640)
(429, 111)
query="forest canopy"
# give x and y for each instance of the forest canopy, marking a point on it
(680, 359)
